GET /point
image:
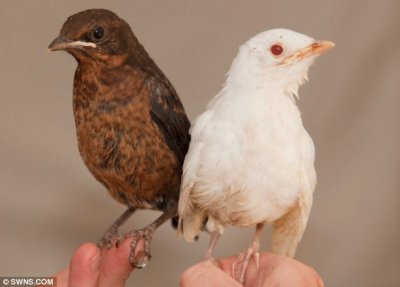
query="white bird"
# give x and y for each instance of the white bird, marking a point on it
(250, 160)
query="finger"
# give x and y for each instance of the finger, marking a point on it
(62, 278)
(206, 274)
(83, 268)
(114, 265)
(226, 265)
(277, 270)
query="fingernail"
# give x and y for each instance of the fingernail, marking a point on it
(95, 262)
(141, 260)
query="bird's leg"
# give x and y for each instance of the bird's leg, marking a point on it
(214, 236)
(143, 257)
(239, 266)
(112, 232)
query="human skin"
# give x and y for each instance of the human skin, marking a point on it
(91, 268)
(274, 270)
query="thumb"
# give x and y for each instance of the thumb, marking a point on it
(206, 274)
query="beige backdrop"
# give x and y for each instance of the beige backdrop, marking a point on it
(50, 204)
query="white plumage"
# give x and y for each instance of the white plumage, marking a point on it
(250, 160)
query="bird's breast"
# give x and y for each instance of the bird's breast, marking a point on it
(251, 160)
(120, 144)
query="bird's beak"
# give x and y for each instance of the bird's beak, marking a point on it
(315, 48)
(63, 43)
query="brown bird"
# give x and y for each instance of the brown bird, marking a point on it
(131, 126)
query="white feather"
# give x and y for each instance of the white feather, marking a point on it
(250, 160)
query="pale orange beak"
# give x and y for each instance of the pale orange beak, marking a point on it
(315, 48)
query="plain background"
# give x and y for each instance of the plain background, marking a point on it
(50, 204)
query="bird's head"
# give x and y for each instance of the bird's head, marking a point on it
(95, 35)
(279, 58)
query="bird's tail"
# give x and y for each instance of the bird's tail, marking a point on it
(190, 225)
(288, 230)
(174, 222)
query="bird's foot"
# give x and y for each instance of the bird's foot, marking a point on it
(239, 266)
(142, 257)
(209, 257)
(109, 238)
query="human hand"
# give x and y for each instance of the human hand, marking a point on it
(274, 270)
(87, 268)
(90, 269)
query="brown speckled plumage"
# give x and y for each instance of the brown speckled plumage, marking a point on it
(131, 126)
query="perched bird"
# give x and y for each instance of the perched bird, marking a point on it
(250, 160)
(131, 126)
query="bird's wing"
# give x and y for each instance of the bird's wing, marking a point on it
(288, 230)
(191, 220)
(168, 114)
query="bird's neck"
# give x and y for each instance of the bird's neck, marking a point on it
(246, 76)
(101, 88)
(267, 91)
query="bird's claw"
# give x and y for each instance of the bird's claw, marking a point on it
(236, 265)
(141, 258)
(109, 238)
(256, 257)
(239, 266)
(211, 259)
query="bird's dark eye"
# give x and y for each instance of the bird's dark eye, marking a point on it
(276, 49)
(98, 33)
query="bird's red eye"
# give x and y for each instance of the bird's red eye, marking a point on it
(276, 49)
